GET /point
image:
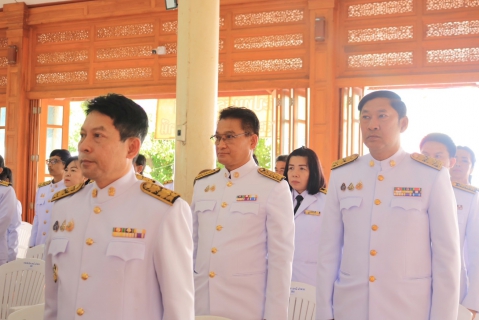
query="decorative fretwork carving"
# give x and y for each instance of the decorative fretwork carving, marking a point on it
(62, 77)
(123, 52)
(221, 44)
(453, 55)
(3, 81)
(457, 28)
(380, 8)
(62, 57)
(264, 42)
(171, 48)
(3, 62)
(3, 42)
(63, 36)
(270, 17)
(222, 22)
(220, 68)
(380, 59)
(125, 31)
(432, 5)
(380, 34)
(170, 27)
(270, 65)
(170, 71)
(124, 74)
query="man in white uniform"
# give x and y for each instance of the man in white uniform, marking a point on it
(45, 192)
(15, 223)
(389, 242)
(8, 209)
(120, 247)
(243, 229)
(441, 147)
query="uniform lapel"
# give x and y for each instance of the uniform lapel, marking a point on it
(307, 201)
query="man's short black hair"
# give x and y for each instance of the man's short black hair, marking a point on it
(249, 120)
(394, 100)
(62, 153)
(316, 179)
(70, 160)
(128, 117)
(2, 162)
(140, 160)
(282, 157)
(441, 138)
(6, 174)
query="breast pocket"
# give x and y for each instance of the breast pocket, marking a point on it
(406, 204)
(58, 246)
(245, 208)
(126, 250)
(349, 204)
(205, 206)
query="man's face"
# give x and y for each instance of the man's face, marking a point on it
(103, 156)
(279, 167)
(55, 166)
(234, 152)
(138, 168)
(437, 150)
(463, 168)
(381, 127)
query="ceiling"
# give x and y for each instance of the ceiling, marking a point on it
(30, 2)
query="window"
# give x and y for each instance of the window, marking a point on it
(351, 141)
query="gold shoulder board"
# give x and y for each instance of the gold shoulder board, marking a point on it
(433, 163)
(46, 183)
(4, 183)
(206, 173)
(465, 187)
(140, 177)
(270, 174)
(166, 195)
(67, 191)
(168, 181)
(343, 161)
(323, 190)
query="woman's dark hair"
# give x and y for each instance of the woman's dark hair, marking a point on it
(316, 179)
(472, 155)
(7, 174)
(70, 160)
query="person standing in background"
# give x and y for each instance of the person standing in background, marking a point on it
(73, 174)
(465, 161)
(16, 222)
(8, 210)
(280, 164)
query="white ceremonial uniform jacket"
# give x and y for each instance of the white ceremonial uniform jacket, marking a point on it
(8, 209)
(12, 233)
(243, 231)
(468, 219)
(389, 243)
(307, 221)
(43, 212)
(119, 253)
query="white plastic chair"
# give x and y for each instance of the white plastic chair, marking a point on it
(24, 233)
(22, 283)
(302, 302)
(29, 313)
(36, 252)
(210, 318)
(464, 313)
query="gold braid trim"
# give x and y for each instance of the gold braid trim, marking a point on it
(68, 191)
(166, 195)
(431, 162)
(343, 161)
(270, 174)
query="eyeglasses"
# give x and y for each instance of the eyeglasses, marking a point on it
(227, 138)
(53, 161)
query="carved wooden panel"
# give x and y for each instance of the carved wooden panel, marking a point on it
(433, 5)
(170, 71)
(380, 34)
(63, 36)
(3, 43)
(268, 17)
(389, 59)
(125, 30)
(62, 57)
(3, 62)
(268, 41)
(123, 52)
(450, 29)
(268, 65)
(62, 77)
(3, 81)
(124, 74)
(458, 55)
(382, 8)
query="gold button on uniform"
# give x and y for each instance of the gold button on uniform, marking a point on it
(212, 274)
(97, 210)
(219, 228)
(373, 252)
(47, 211)
(84, 276)
(371, 163)
(111, 191)
(214, 250)
(372, 279)
(44, 233)
(374, 227)
(236, 175)
(229, 184)
(380, 178)
(80, 311)
(224, 205)
(45, 222)
(392, 163)
(94, 193)
(377, 202)
(89, 241)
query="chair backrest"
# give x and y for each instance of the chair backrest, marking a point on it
(302, 302)
(36, 252)
(464, 313)
(24, 233)
(210, 318)
(28, 313)
(22, 283)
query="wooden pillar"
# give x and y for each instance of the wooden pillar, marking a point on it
(17, 135)
(324, 110)
(196, 90)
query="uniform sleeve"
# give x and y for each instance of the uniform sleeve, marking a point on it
(195, 228)
(471, 300)
(446, 260)
(329, 256)
(8, 208)
(33, 235)
(12, 233)
(280, 242)
(51, 288)
(173, 260)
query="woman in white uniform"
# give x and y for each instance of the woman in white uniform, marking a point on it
(305, 176)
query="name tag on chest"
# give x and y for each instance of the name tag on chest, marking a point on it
(312, 213)
(407, 192)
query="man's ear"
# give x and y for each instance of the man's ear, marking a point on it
(134, 145)
(403, 123)
(452, 162)
(254, 141)
(1, 169)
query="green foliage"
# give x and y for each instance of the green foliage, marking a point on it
(160, 157)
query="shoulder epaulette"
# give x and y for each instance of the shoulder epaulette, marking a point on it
(270, 174)
(465, 187)
(166, 195)
(140, 177)
(206, 173)
(4, 183)
(323, 190)
(432, 162)
(343, 161)
(168, 181)
(68, 191)
(46, 183)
